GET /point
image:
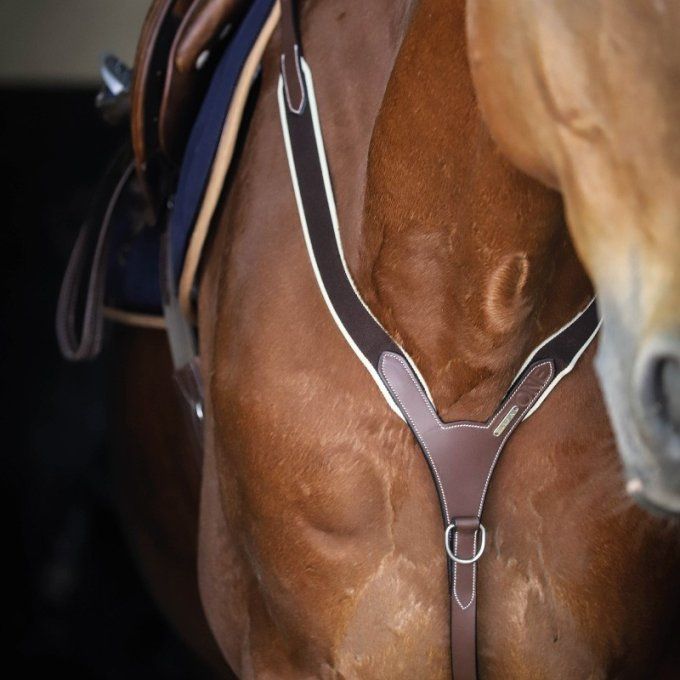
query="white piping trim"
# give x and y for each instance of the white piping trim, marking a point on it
(311, 102)
(224, 155)
(566, 371)
(530, 358)
(330, 199)
(134, 318)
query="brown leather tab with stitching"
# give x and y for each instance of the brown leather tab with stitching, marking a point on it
(463, 604)
(290, 58)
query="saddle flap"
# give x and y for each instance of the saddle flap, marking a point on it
(198, 42)
(170, 79)
(204, 24)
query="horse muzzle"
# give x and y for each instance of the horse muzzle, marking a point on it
(656, 404)
(657, 382)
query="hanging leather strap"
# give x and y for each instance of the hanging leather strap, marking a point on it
(79, 319)
(461, 455)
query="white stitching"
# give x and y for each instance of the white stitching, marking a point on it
(430, 408)
(550, 338)
(564, 372)
(427, 402)
(454, 426)
(517, 422)
(421, 440)
(474, 572)
(423, 444)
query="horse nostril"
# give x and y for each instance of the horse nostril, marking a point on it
(669, 390)
(659, 382)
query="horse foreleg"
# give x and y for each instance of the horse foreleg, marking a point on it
(157, 480)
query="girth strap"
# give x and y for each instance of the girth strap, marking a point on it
(183, 349)
(201, 180)
(461, 455)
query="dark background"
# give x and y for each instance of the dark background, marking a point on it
(74, 602)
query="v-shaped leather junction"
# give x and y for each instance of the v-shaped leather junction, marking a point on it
(462, 456)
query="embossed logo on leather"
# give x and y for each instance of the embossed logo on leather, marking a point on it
(503, 425)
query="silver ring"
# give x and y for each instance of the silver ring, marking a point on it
(460, 560)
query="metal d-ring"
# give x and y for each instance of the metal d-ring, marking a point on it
(461, 560)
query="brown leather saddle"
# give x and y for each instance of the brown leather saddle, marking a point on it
(181, 45)
(137, 256)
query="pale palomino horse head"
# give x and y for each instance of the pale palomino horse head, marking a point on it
(585, 96)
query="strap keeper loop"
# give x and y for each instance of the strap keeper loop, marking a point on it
(465, 524)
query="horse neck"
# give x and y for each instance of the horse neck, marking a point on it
(466, 261)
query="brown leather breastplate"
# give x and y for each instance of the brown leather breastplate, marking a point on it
(461, 455)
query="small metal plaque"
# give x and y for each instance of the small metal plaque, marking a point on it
(503, 425)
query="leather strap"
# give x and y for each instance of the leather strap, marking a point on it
(151, 60)
(291, 53)
(80, 307)
(79, 319)
(183, 347)
(199, 41)
(461, 455)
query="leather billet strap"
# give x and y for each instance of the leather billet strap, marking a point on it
(79, 319)
(461, 455)
(183, 347)
(151, 61)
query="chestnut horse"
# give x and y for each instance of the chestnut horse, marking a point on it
(320, 537)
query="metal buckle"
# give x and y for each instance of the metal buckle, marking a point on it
(116, 75)
(113, 99)
(461, 560)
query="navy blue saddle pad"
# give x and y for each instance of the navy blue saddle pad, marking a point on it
(133, 283)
